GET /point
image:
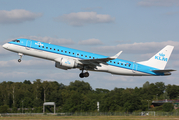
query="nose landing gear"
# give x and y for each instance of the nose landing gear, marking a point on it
(20, 54)
(19, 60)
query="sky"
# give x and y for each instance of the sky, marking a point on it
(140, 28)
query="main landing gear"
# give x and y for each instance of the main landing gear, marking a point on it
(20, 54)
(82, 74)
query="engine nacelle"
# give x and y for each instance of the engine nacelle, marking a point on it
(65, 63)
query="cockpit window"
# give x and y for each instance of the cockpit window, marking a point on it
(16, 41)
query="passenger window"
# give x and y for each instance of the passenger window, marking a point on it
(73, 53)
(50, 48)
(118, 63)
(61, 50)
(81, 55)
(65, 51)
(86, 56)
(58, 50)
(39, 45)
(121, 63)
(42, 46)
(89, 56)
(114, 62)
(69, 52)
(54, 49)
(46, 47)
(93, 58)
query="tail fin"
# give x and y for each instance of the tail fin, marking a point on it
(160, 59)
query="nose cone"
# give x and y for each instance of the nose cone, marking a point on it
(5, 46)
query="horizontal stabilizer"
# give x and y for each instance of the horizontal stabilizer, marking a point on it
(163, 71)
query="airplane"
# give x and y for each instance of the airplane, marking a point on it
(67, 58)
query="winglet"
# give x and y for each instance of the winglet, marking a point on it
(116, 56)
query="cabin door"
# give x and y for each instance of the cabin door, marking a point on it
(134, 68)
(28, 44)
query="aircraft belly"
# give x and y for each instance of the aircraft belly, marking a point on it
(123, 71)
(30, 51)
(35, 53)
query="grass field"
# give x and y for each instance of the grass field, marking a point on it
(46, 117)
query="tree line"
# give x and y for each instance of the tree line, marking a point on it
(79, 96)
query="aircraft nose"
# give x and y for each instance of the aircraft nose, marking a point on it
(5, 46)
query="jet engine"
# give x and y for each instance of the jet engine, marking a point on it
(65, 63)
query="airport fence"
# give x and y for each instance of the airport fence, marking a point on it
(145, 113)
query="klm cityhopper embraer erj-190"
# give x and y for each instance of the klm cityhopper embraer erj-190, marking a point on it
(67, 58)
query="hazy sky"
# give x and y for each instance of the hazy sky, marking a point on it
(140, 28)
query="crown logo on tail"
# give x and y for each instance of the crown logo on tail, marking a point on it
(161, 54)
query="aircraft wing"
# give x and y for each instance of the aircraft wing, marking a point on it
(99, 60)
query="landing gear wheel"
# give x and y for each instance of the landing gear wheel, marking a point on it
(81, 75)
(86, 74)
(19, 60)
(20, 54)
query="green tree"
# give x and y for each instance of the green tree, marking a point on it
(45, 86)
(111, 100)
(173, 91)
(38, 91)
(27, 82)
(55, 93)
(101, 91)
(73, 103)
(132, 101)
(80, 86)
(167, 107)
(146, 85)
(4, 109)
(160, 88)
